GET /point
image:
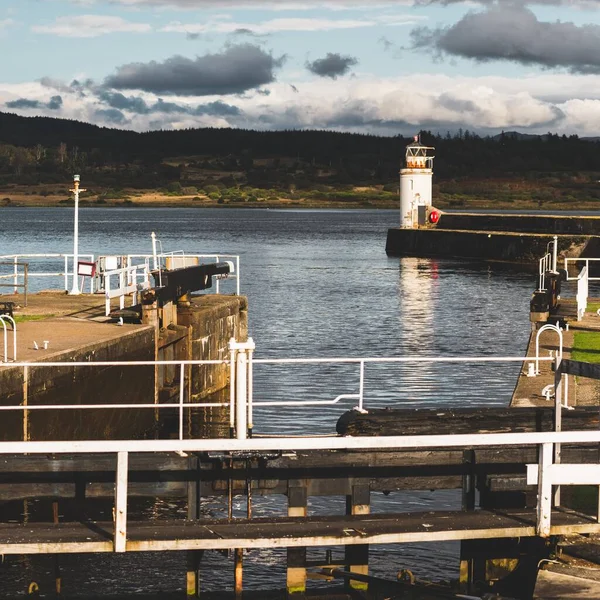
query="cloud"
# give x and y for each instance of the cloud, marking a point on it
(55, 103)
(6, 23)
(513, 33)
(237, 69)
(332, 65)
(538, 103)
(88, 26)
(251, 4)
(111, 115)
(290, 24)
(139, 106)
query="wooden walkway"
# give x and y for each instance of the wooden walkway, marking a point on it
(286, 532)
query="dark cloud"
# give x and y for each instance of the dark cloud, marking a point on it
(192, 36)
(112, 115)
(237, 69)
(121, 102)
(24, 103)
(139, 106)
(513, 33)
(333, 65)
(55, 103)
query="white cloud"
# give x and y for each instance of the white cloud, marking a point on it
(87, 26)
(6, 23)
(386, 106)
(291, 24)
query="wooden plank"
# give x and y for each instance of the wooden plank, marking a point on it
(328, 473)
(386, 422)
(283, 532)
(582, 369)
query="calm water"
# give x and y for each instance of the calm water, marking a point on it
(319, 284)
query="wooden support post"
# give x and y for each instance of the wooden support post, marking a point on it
(357, 557)
(238, 572)
(468, 564)
(468, 488)
(120, 538)
(57, 575)
(296, 557)
(194, 557)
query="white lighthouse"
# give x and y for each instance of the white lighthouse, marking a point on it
(416, 185)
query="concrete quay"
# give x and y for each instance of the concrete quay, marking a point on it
(64, 328)
(491, 237)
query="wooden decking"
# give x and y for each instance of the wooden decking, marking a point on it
(34, 538)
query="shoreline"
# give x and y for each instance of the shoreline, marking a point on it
(295, 205)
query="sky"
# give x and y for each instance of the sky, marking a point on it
(386, 67)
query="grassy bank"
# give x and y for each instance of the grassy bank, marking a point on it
(473, 195)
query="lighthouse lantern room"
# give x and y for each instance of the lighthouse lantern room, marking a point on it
(416, 185)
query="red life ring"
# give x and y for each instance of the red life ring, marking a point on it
(434, 217)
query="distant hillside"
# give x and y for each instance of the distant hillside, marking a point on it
(47, 150)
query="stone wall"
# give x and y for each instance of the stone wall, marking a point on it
(525, 248)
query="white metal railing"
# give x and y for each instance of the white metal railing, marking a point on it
(544, 267)
(128, 285)
(586, 262)
(548, 327)
(241, 363)
(545, 474)
(14, 277)
(549, 262)
(65, 275)
(181, 405)
(241, 376)
(582, 292)
(4, 319)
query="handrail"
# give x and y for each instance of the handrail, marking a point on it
(3, 319)
(15, 277)
(586, 263)
(241, 364)
(128, 284)
(65, 274)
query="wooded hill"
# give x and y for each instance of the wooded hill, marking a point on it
(42, 150)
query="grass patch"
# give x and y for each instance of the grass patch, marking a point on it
(586, 346)
(23, 318)
(592, 307)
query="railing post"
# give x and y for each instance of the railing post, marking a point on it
(232, 352)
(544, 502)
(15, 275)
(25, 281)
(251, 347)
(361, 388)
(241, 395)
(241, 399)
(120, 538)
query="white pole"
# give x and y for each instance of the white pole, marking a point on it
(154, 251)
(555, 255)
(75, 289)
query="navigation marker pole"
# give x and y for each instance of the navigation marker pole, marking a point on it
(76, 190)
